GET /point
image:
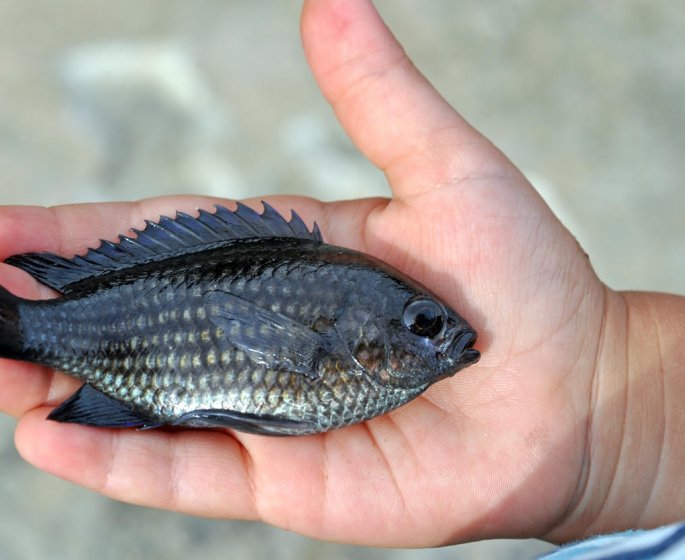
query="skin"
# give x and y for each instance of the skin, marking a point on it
(567, 426)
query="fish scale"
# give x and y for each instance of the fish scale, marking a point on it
(263, 332)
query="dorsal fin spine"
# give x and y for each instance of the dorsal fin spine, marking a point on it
(163, 239)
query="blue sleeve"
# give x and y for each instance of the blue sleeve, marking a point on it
(663, 543)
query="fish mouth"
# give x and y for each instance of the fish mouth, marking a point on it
(462, 347)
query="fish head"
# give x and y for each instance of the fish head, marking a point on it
(409, 338)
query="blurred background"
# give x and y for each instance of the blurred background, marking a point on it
(106, 100)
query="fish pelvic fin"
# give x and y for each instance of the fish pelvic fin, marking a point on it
(166, 238)
(11, 334)
(263, 424)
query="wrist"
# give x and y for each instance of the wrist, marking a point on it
(634, 460)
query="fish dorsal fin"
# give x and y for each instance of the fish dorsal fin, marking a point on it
(161, 240)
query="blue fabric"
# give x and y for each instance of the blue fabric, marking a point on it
(665, 543)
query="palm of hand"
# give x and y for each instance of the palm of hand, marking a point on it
(497, 450)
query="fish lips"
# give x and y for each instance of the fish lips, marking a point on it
(461, 347)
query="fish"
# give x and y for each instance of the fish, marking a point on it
(232, 319)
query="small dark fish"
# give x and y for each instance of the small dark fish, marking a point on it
(233, 319)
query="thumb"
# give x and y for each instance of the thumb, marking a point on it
(387, 107)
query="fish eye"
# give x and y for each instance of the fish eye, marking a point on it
(423, 317)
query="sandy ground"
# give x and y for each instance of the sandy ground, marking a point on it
(108, 100)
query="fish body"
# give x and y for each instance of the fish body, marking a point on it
(233, 319)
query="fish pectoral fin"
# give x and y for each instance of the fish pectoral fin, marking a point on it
(268, 337)
(90, 407)
(264, 424)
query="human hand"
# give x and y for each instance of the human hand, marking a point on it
(501, 449)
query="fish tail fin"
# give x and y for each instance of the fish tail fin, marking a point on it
(11, 337)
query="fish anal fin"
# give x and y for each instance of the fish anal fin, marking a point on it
(90, 407)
